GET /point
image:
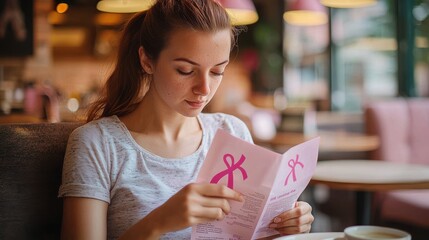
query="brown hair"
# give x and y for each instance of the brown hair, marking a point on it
(151, 30)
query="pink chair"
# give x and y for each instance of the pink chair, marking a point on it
(403, 128)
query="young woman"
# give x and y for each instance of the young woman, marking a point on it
(129, 173)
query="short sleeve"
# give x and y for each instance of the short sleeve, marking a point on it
(86, 165)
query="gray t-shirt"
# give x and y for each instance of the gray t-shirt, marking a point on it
(104, 162)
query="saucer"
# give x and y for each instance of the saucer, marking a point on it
(375, 232)
(315, 236)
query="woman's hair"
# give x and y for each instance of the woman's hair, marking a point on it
(151, 29)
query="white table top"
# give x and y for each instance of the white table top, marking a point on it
(315, 236)
(371, 175)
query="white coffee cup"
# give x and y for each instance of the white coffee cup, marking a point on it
(375, 233)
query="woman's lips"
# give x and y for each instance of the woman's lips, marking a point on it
(196, 104)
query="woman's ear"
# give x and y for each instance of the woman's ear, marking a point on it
(145, 62)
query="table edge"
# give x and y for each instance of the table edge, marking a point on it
(371, 186)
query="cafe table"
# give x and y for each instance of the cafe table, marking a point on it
(331, 141)
(368, 176)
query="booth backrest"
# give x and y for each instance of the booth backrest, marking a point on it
(403, 127)
(31, 159)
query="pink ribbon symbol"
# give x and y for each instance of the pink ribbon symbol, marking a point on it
(230, 170)
(292, 164)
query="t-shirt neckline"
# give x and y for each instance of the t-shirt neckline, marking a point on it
(155, 156)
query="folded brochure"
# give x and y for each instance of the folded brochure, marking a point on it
(269, 182)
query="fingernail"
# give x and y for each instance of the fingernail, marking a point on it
(273, 225)
(277, 219)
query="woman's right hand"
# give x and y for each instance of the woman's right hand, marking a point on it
(195, 203)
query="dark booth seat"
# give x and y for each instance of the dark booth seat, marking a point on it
(31, 159)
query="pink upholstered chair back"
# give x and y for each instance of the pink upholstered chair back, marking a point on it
(403, 128)
(419, 130)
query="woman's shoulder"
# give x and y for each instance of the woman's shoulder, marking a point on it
(96, 128)
(227, 122)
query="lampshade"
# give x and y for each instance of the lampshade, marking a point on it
(124, 6)
(347, 3)
(305, 13)
(241, 12)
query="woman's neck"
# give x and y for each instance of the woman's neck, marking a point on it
(168, 135)
(149, 120)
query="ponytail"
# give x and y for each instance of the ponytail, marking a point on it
(127, 81)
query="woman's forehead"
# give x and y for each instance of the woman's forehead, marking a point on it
(193, 43)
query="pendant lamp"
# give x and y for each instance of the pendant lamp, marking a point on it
(305, 13)
(347, 3)
(241, 12)
(124, 6)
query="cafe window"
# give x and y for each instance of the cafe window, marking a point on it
(306, 63)
(421, 51)
(353, 58)
(364, 55)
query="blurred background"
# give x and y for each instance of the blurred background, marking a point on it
(303, 74)
(354, 55)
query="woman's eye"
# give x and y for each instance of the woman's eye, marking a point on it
(217, 73)
(184, 72)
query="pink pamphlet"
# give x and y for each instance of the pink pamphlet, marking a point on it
(270, 183)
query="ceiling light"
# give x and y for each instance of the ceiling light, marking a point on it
(347, 3)
(241, 12)
(305, 13)
(62, 7)
(124, 6)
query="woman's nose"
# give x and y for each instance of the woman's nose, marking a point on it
(202, 86)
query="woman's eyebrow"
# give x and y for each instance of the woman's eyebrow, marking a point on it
(226, 61)
(194, 63)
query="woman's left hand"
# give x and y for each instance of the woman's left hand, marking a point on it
(297, 220)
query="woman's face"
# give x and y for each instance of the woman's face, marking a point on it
(190, 69)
